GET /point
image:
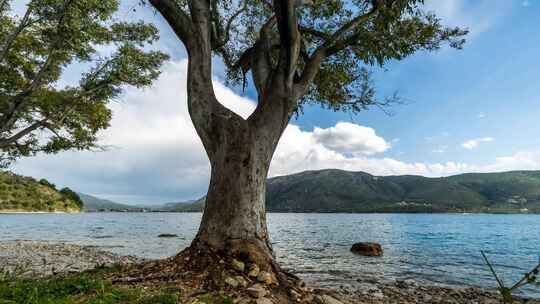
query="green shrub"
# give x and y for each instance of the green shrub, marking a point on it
(72, 195)
(45, 182)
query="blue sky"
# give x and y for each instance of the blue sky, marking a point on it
(469, 110)
(488, 89)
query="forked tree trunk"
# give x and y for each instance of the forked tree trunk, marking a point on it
(234, 219)
(240, 152)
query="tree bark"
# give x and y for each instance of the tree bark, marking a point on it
(240, 151)
(234, 219)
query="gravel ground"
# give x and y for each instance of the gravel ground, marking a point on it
(38, 258)
(409, 292)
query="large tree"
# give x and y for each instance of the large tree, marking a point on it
(297, 52)
(37, 112)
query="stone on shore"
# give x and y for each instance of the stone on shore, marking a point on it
(253, 271)
(263, 301)
(266, 278)
(231, 282)
(237, 265)
(367, 249)
(326, 299)
(257, 291)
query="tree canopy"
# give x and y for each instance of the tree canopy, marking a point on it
(296, 52)
(329, 45)
(37, 112)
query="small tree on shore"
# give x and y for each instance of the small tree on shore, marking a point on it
(37, 114)
(297, 52)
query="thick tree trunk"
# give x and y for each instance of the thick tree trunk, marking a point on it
(240, 151)
(234, 219)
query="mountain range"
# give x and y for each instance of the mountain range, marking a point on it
(96, 204)
(319, 191)
(343, 191)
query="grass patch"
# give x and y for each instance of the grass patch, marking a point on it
(85, 288)
(210, 298)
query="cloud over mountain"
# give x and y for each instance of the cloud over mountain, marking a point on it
(347, 137)
(155, 154)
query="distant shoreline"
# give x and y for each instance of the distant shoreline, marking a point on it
(397, 211)
(281, 212)
(37, 212)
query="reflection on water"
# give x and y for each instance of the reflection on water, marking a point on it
(434, 248)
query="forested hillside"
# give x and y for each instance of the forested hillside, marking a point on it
(25, 194)
(343, 191)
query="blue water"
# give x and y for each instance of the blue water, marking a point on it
(430, 248)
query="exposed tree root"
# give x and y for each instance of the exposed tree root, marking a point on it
(243, 275)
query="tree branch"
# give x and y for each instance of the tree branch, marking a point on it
(231, 20)
(3, 5)
(200, 16)
(8, 119)
(329, 47)
(8, 42)
(12, 139)
(313, 32)
(351, 25)
(179, 21)
(289, 38)
(18, 101)
(260, 61)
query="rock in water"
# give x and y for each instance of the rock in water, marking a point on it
(167, 235)
(367, 249)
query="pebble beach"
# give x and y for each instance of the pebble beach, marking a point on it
(40, 258)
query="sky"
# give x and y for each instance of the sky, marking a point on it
(470, 110)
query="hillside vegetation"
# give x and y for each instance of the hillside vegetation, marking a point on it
(19, 193)
(343, 191)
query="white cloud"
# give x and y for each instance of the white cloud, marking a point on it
(478, 16)
(347, 137)
(299, 151)
(474, 143)
(155, 149)
(157, 155)
(481, 115)
(523, 160)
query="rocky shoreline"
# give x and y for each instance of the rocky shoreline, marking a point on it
(39, 258)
